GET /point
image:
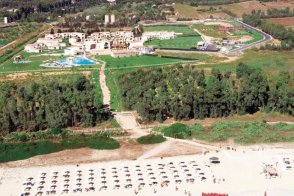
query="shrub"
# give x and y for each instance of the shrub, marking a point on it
(151, 139)
(177, 130)
(283, 127)
(197, 128)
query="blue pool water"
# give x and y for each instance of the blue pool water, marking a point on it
(78, 61)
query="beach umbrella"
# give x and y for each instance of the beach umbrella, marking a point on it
(66, 185)
(138, 170)
(152, 178)
(40, 187)
(103, 182)
(149, 169)
(140, 174)
(27, 188)
(65, 190)
(114, 172)
(128, 180)
(55, 173)
(116, 181)
(91, 183)
(103, 177)
(113, 168)
(213, 158)
(53, 181)
(79, 175)
(140, 179)
(91, 178)
(137, 165)
(66, 180)
(42, 182)
(91, 170)
(115, 176)
(78, 184)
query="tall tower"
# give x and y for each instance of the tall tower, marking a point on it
(106, 19)
(112, 19)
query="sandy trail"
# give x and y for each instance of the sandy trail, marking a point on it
(104, 88)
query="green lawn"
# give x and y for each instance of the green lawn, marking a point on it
(2, 43)
(270, 61)
(256, 37)
(135, 61)
(180, 42)
(238, 33)
(186, 30)
(24, 150)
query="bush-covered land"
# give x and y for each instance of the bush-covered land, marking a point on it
(257, 18)
(151, 139)
(185, 93)
(25, 145)
(10, 34)
(246, 132)
(33, 106)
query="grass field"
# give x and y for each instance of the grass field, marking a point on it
(270, 61)
(188, 42)
(135, 61)
(210, 30)
(256, 37)
(244, 132)
(185, 30)
(238, 33)
(24, 150)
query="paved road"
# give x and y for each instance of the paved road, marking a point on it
(266, 37)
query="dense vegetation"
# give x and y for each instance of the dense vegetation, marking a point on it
(184, 93)
(246, 132)
(151, 139)
(257, 19)
(41, 10)
(36, 106)
(23, 146)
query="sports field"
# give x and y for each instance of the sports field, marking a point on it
(178, 42)
(185, 30)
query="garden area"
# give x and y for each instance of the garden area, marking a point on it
(243, 132)
(19, 146)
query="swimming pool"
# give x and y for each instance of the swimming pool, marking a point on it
(76, 61)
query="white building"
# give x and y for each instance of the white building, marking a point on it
(5, 20)
(106, 19)
(158, 35)
(112, 19)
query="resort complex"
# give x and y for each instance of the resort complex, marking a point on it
(147, 98)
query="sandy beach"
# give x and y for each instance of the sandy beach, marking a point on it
(239, 172)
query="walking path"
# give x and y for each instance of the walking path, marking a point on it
(104, 88)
